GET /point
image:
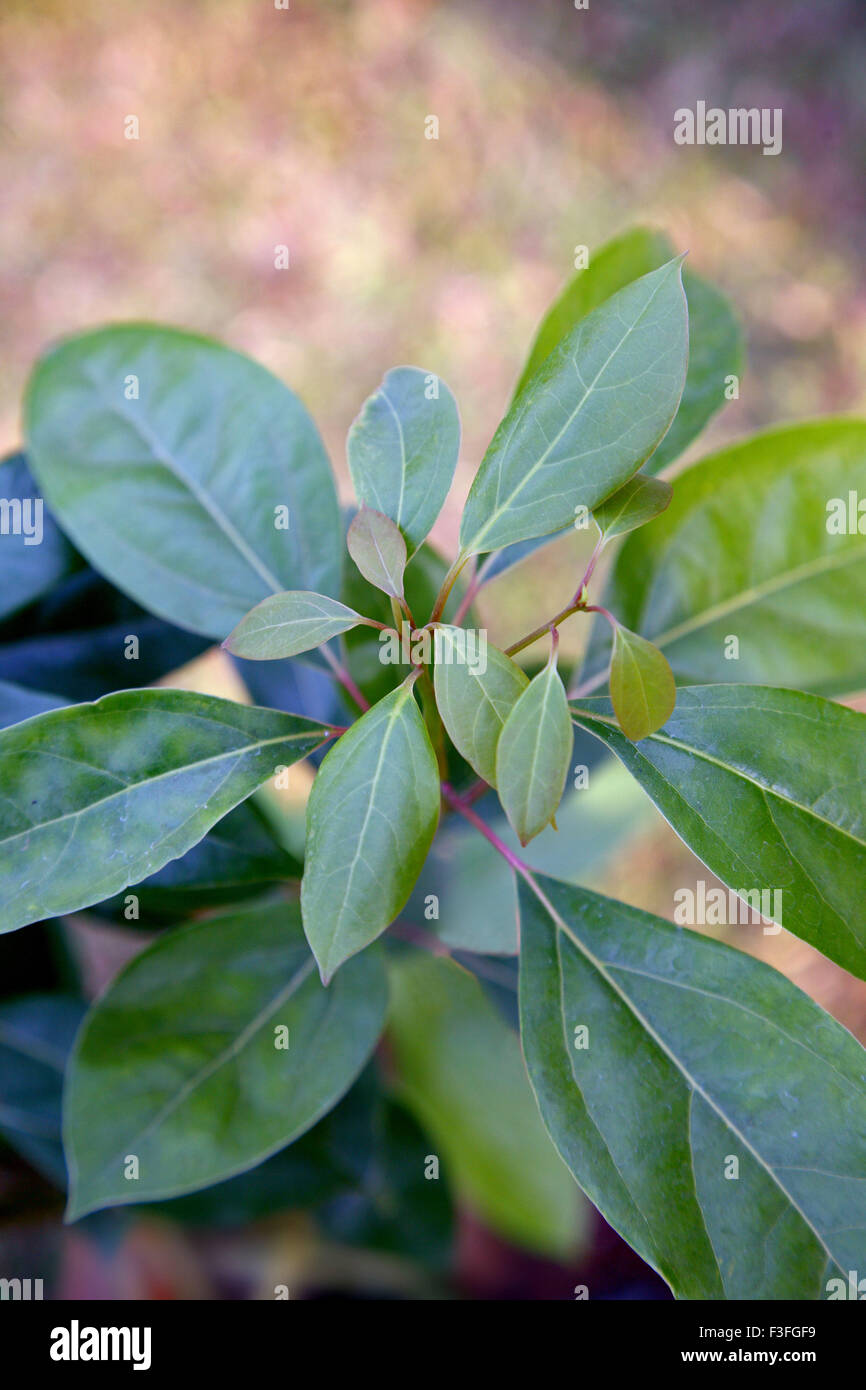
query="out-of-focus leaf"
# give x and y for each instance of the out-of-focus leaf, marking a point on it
(34, 553)
(36, 1034)
(461, 1073)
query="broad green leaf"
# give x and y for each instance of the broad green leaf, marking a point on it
(377, 546)
(460, 1070)
(286, 624)
(233, 862)
(36, 1034)
(402, 450)
(99, 796)
(533, 754)
(637, 502)
(768, 788)
(715, 338)
(213, 1049)
(34, 553)
(642, 687)
(474, 704)
(660, 1060)
(200, 495)
(371, 818)
(741, 579)
(592, 414)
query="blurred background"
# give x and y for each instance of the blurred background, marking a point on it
(261, 127)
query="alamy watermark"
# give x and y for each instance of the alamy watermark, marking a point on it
(22, 516)
(454, 646)
(739, 125)
(719, 907)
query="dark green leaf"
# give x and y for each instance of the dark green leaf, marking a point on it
(642, 687)
(474, 704)
(371, 818)
(100, 796)
(180, 1064)
(741, 580)
(694, 1055)
(768, 788)
(175, 495)
(461, 1073)
(533, 754)
(286, 624)
(402, 450)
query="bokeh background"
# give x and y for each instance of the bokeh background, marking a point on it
(260, 127)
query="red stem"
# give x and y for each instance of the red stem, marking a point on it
(457, 802)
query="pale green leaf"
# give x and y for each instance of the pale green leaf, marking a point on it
(371, 818)
(642, 686)
(287, 624)
(402, 450)
(379, 550)
(474, 704)
(637, 502)
(590, 417)
(533, 755)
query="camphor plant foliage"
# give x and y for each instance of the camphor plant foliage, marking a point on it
(712, 1111)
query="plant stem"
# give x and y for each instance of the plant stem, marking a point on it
(433, 720)
(544, 628)
(447, 585)
(345, 680)
(460, 805)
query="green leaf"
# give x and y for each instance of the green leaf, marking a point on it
(232, 863)
(474, 704)
(695, 1055)
(768, 788)
(461, 1072)
(642, 686)
(286, 624)
(175, 495)
(592, 414)
(379, 550)
(533, 755)
(102, 795)
(34, 553)
(182, 1064)
(715, 338)
(744, 552)
(402, 450)
(637, 502)
(371, 818)
(716, 352)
